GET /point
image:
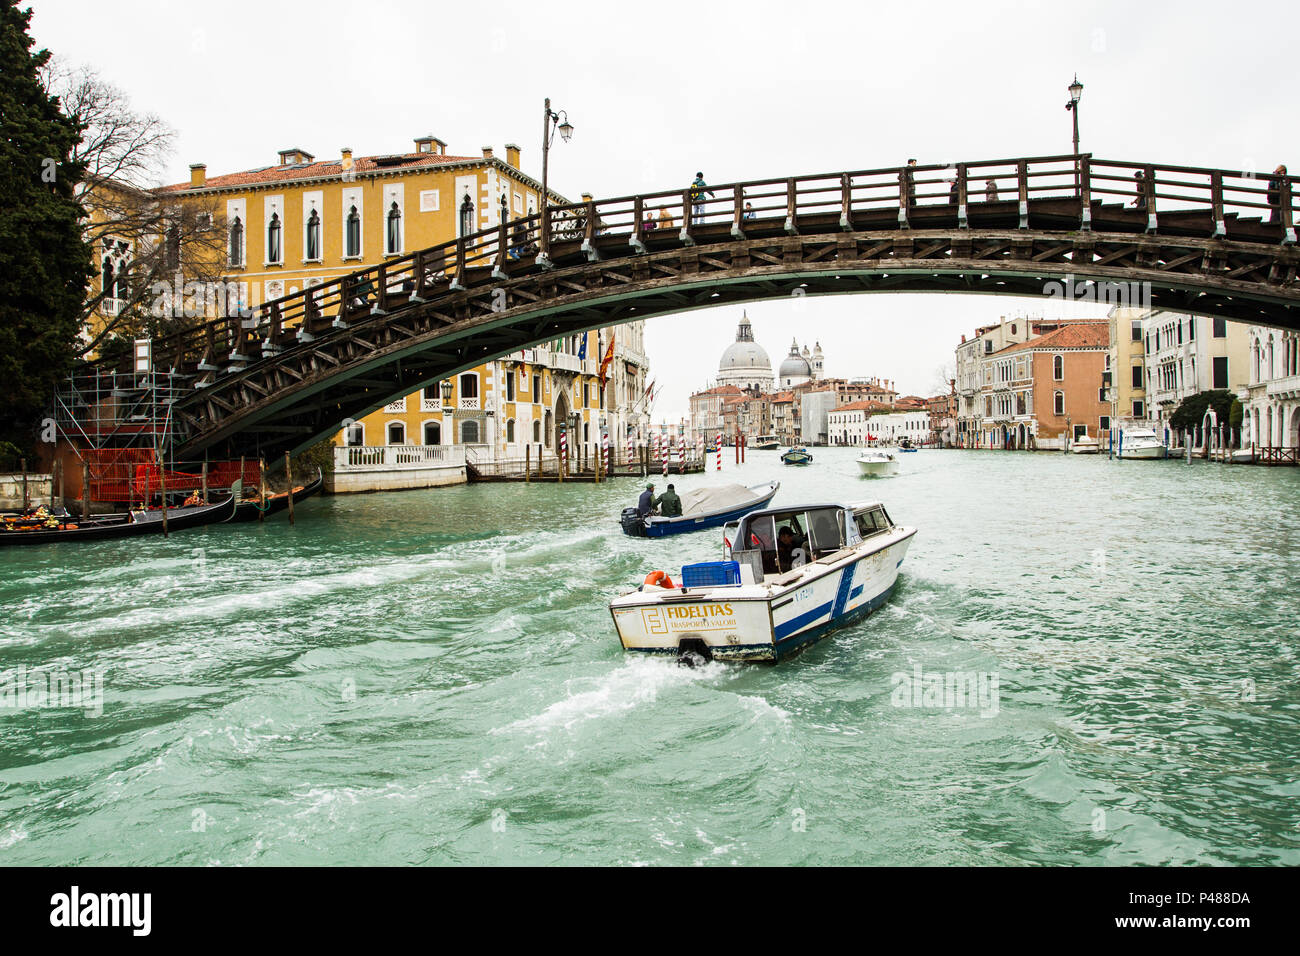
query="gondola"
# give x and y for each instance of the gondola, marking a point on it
(125, 525)
(248, 509)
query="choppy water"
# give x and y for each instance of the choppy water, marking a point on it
(433, 677)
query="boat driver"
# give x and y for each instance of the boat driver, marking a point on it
(789, 549)
(645, 505)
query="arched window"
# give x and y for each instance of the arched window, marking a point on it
(537, 431)
(469, 385)
(273, 238)
(236, 242)
(466, 216)
(396, 433)
(355, 434)
(433, 433)
(1058, 403)
(313, 236)
(1058, 368)
(107, 278)
(352, 244)
(469, 433)
(510, 431)
(394, 229)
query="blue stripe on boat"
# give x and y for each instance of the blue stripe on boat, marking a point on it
(842, 595)
(803, 620)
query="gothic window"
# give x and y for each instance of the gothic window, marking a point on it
(273, 232)
(394, 229)
(353, 241)
(236, 242)
(313, 235)
(466, 216)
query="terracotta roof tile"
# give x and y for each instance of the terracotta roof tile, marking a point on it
(1078, 335)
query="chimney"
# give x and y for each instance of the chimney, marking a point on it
(487, 152)
(198, 175)
(512, 155)
(346, 152)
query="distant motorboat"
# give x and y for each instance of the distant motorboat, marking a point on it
(877, 463)
(1140, 443)
(797, 456)
(765, 443)
(1085, 445)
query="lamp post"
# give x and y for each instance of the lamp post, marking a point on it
(1076, 91)
(446, 393)
(551, 121)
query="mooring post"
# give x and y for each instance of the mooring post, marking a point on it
(288, 477)
(26, 498)
(528, 461)
(85, 490)
(261, 489)
(162, 488)
(203, 478)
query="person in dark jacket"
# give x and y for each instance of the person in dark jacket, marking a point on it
(1141, 183)
(669, 505)
(1275, 194)
(645, 505)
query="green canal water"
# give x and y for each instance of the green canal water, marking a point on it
(433, 678)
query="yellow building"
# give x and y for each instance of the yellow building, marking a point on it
(302, 221)
(1127, 391)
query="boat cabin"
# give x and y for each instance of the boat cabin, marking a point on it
(777, 540)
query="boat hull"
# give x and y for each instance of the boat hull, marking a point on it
(762, 623)
(877, 469)
(248, 510)
(796, 458)
(178, 519)
(1143, 452)
(663, 527)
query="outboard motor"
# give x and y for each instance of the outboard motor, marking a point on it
(632, 523)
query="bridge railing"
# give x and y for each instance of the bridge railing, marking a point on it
(297, 318)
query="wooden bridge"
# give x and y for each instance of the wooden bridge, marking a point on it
(1205, 241)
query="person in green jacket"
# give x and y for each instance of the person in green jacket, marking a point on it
(669, 505)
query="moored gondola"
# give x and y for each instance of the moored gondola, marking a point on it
(248, 509)
(121, 525)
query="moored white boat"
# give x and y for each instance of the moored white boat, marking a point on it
(877, 463)
(1085, 445)
(1139, 443)
(803, 573)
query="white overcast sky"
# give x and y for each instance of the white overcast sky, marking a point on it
(741, 91)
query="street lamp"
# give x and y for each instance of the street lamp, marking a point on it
(1076, 91)
(446, 392)
(551, 121)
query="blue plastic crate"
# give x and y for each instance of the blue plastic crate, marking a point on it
(710, 574)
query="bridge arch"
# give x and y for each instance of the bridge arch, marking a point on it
(1067, 229)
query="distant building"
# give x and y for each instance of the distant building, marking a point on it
(1187, 354)
(1272, 397)
(744, 363)
(850, 424)
(797, 368)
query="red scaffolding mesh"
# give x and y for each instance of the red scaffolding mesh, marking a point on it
(132, 475)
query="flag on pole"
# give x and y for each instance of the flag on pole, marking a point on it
(582, 346)
(606, 362)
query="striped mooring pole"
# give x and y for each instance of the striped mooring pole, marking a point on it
(719, 468)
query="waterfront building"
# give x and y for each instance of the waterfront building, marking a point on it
(1271, 417)
(302, 221)
(850, 424)
(1186, 354)
(1126, 375)
(784, 424)
(943, 416)
(1035, 393)
(814, 408)
(707, 419)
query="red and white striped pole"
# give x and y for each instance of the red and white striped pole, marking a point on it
(564, 449)
(668, 453)
(604, 451)
(631, 448)
(681, 452)
(719, 451)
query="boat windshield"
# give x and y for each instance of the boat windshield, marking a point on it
(788, 539)
(872, 520)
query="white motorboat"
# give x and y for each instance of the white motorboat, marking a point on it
(765, 443)
(801, 573)
(1085, 445)
(877, 463)
(1139, 443)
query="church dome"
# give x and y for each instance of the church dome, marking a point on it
(795, 365)
(745, 362)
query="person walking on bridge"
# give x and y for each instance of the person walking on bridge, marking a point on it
(1275, 194)
(698, 189)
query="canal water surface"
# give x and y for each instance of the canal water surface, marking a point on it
(433, 677)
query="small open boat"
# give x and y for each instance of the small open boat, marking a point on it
(99, 528)
(797, 456)
(877, 463)
(794, 575)
(248, 508)
(702, 508)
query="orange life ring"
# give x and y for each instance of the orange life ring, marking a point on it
(659, 578)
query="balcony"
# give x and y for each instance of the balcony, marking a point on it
(430, 404)
(468, 404)
(110, 306)
(563, 362)
(393, 408)
(1288, 387)
(631, 355)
